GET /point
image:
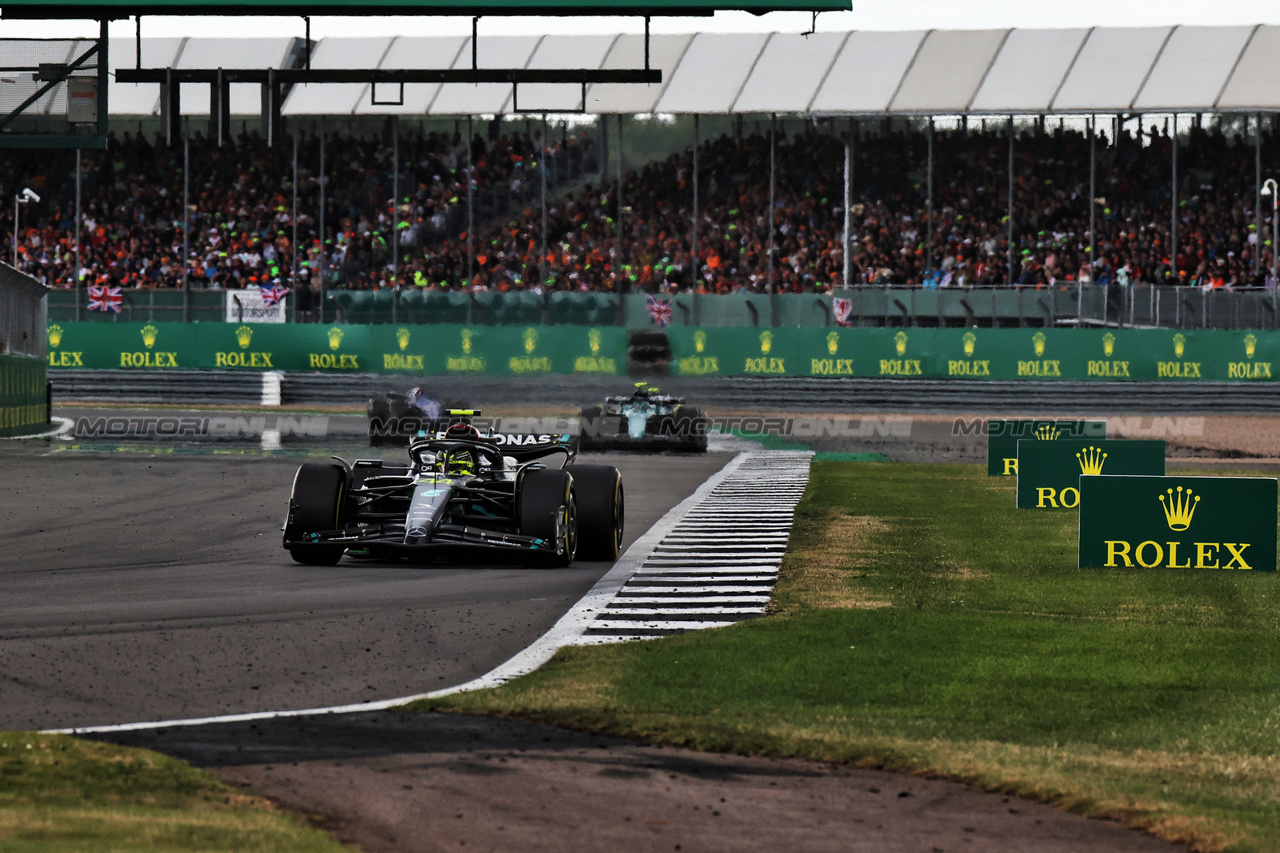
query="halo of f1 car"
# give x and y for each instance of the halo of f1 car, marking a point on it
(462, 495)
(645, 419)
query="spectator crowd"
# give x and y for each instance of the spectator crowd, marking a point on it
(468, 213)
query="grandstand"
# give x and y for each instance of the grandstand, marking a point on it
(1134, 158)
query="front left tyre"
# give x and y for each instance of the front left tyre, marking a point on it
(315, 505)
(547, 510)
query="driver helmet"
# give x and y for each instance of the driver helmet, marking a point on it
(460, 463)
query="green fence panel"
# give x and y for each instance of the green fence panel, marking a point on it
(23, 409)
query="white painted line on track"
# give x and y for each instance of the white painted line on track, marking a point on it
(570, 628)
(63, 426)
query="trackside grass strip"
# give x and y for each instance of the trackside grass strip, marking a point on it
(923, 624)
(60, 793)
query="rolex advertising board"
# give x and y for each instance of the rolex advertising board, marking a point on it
(1049, 471)
(416, 349)
(1226, 523)
(1003, 436)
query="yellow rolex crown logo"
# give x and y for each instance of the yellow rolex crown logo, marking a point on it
(970, 342)
(766, 342)
(1049, 432)
(55, 335)
(530, 339)
(1037, 341)
(1179, 344)
(243, 335)
(149, 335)
(402, 338)
(593, 341)
(335, 337)
(900, 343)
(699, 340)
(1091, 460)
(1108, 344)
(467, 335)
(1179, 508)
(1250, 345)
(833, 342)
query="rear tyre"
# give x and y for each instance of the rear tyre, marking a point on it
(545, 496)
(692, 427)
(319, 491)
(379, 421)
(601, 511)
(590, 422)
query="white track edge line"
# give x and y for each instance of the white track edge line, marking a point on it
(64, 426)
(569, 628)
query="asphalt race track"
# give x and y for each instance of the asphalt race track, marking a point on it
(147, 582)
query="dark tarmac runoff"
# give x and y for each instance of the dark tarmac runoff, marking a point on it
(147, 582)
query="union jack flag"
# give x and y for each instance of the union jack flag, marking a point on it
(841, 310)
(272, 293)
(659, 310)
(105, 298)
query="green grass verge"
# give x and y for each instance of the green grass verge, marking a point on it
(924, 624)
(60, 793)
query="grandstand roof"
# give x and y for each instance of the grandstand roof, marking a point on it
(939, 72)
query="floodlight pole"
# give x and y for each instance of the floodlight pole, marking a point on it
(693, 278)
(543, 267)
(773, 134)
(1270, 188)
(186, 225)
(293, 267)
(928, 239)
(1257, 198)
(624, 285)
(17, 200)
(75, 274)
(1010, 216)
(848, 202)
(1173, 199)
(471, 238)
(1093, 192)
(320, 255)
(395, 209)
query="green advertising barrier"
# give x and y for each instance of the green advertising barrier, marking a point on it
(1178, 523)
(1101, 355)
(432, 349)
(1003, 436)
(1049, 472)
(23, 400)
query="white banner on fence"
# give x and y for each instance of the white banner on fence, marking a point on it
(246, 306)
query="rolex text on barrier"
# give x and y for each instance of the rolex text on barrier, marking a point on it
(1049, 472)
(1226, 523)
(1003, 436)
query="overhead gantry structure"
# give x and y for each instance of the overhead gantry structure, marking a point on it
(275, 82)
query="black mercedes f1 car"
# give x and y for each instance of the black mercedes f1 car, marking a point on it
(396, 417)
(645, 419)
(462, 496)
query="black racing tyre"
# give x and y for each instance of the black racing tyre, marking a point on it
(319, 491)
(379, 421)
(601, 511)
(546, 493)
(692, 427)
(590, 422)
